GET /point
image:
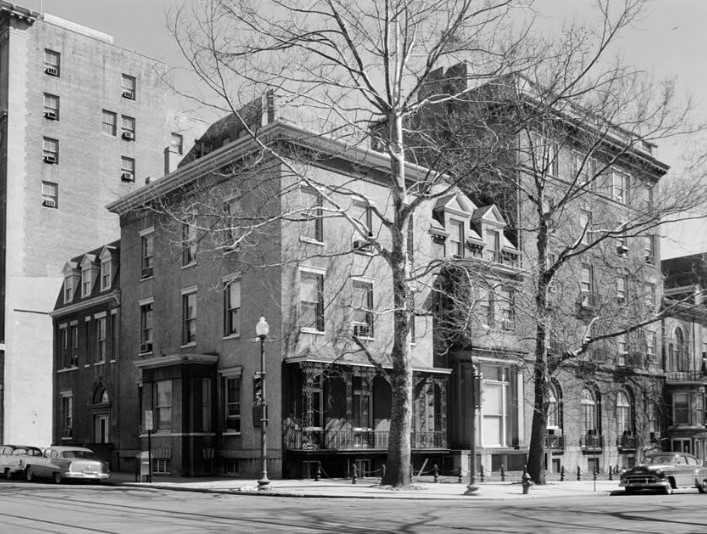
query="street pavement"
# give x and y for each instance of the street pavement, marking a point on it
(369, 488)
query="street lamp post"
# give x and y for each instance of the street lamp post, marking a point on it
(472, 488)
(262, 329)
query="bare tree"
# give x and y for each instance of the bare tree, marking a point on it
(373, 74)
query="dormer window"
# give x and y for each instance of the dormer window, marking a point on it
(89, 273)
(456, 238)
(68, 289)
(106, 269)
(71, 281)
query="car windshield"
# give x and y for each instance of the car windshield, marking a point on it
(661, 459)
(86, 455)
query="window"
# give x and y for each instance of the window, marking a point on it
(101, 339)
(456, 238)
(622, 242)
(50, 194)
(484, 299)
(493, 238)
(621, 284)
(162, 402)
(585, 169)
(232, 221)
(74, 333)
(650, 296)
(106, 274)
(127, 169)
(68, 289)
(681, 408)
(188, 318)
(177, 143)
(499, 408)
(129, 87)
(361, 404)
(589, 413)
(312, 216)
(52, 62)
(51, 107)
(232, 399)
(585, 226)
(64, 360)
(624, 415)
(114, 335)
(147, 258)
(554, 410)
(146, 309)
(86, 281)
(50, 151)
(651, 342)
(110, 121)
(206, 415)
(67, 415)
(362, 213)
(544, 154)
(232, 308)
(188, 243)
(127, 128)
(362, 308)
(87, 340)
(505, 303)
(649, 245)
(312, 301)
(622, 345)
(586, 285)
(619, 186)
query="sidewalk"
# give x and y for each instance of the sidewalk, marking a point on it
(370, 488)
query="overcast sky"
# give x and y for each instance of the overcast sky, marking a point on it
(669, 41)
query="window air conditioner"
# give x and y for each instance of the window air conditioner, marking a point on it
(52, 71)
(621, 250)
(130, 136)
(127, 177)
(507, 325)
(129, 94)
(361, 330)
(51, 115)
(146, 347)
(49, 203)
(146, 272)
(649, 259)
(362, 246)
(49, 158)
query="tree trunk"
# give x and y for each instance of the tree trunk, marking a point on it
(536, 452)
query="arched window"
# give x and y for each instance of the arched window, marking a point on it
(554, 410)
(590, 412)
(624, 414)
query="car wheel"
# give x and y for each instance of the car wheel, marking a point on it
(57, 477)
(29, 474)
(702, 487)
(8, 473)
(668, 490)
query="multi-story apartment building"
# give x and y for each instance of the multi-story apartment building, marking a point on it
(82, 122)
(87, 386)
(685, 355)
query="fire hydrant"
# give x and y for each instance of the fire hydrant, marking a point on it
(525, 481)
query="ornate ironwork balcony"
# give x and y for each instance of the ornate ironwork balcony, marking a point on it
(355, 439)
(626, 443)
(591, 442)
(684, 377)
(554, 442)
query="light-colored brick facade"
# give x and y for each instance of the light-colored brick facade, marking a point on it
(54, 199)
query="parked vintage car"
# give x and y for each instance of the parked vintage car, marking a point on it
(14, 458)
(59, 463)
(666, 471)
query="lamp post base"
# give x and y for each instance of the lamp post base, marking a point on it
(471, 489)
(263, 484)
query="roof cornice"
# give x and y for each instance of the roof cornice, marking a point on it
(270, 134)
(18, 12)
(88, 303)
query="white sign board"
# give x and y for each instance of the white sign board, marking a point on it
(148, 421)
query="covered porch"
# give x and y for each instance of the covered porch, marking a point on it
(339, 414)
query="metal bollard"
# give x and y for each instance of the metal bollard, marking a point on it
(481, 472)
(594, 474)
(579, 473)
(383, 472)
(459, 475)
(525, 480)
(354, 474)
(318, 472)
(562, 473)
(503, 473)
(611, 469)
(435, 473)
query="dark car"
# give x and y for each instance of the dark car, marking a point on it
(666, 471)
